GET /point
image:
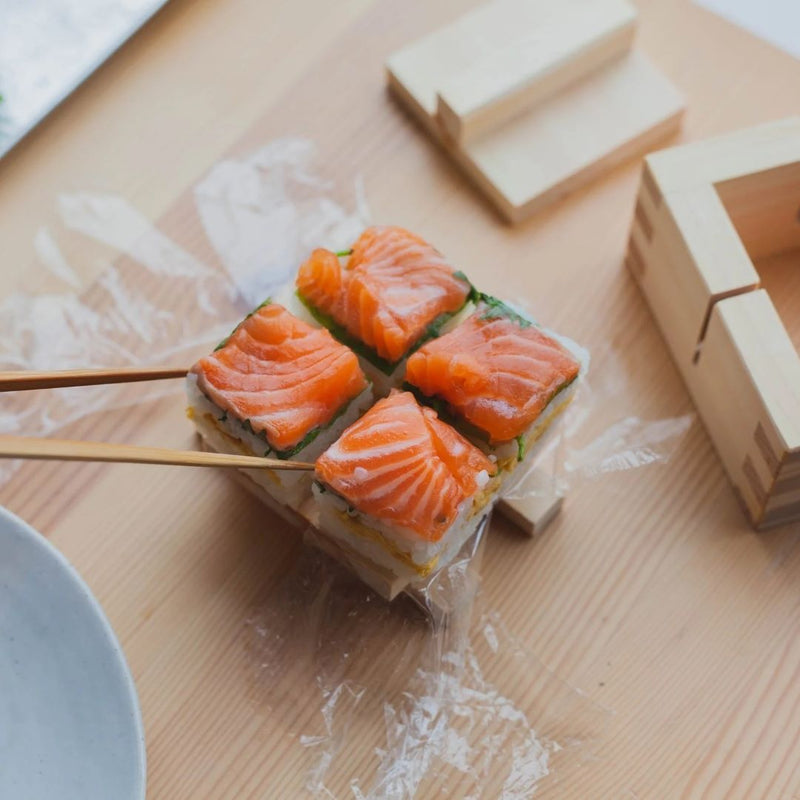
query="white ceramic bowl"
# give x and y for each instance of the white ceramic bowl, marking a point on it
(70, 726)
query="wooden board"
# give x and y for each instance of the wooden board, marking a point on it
(533, 100)
(508, 55)
(534, 512)
(650, 592)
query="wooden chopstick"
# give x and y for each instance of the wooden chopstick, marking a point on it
(25, 380)
(67, 450)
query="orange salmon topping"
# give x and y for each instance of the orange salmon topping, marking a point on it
(392, 288)
(402, 464)
(493, 372)
(283, 376)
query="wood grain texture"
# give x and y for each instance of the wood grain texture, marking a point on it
(650, 591)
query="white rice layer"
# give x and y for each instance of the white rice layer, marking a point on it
(392, 546)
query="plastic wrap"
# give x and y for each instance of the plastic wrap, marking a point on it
(599, 437)
(454, 704)
(131, 296)
(588, 444)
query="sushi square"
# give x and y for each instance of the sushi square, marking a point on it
(383, 297)
(415, 395)
(277, 387)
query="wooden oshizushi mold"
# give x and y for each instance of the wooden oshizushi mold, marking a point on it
(704, 212)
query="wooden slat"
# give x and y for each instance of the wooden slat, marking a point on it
(520, 53)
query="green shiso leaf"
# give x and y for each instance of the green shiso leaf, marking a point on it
(474, 294)
(343, 253)
(247, 425)
(520, 447)
(497, 309)
(439, 405)
(285, 455)
(365, 351)
(227, 338)
(432, 330)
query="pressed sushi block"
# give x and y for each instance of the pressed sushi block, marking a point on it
(499, 377)
(383, 298)
(277, 387)
(401, 489)
(397, 490)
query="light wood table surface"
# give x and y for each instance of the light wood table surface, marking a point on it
(650, 592)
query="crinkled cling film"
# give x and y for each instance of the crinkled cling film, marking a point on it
(451, 703)
(455, 705)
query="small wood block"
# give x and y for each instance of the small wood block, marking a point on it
(574, 137)
(519, 55)
(699, 206)
(533, 504)
(569, 137)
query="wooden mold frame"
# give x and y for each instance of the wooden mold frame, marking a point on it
(703, 211)
(534, 99)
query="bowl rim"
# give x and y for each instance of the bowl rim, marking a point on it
(47, 550)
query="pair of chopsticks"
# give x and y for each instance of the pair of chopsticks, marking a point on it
(67, 450)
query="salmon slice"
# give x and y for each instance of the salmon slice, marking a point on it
(393, 287)
(281, 376)
(402, 464)
(496, 370)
